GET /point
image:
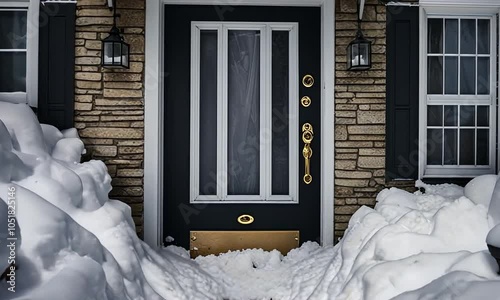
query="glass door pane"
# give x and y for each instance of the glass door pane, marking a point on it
(280, 113)
(243, 112)
(208, 112)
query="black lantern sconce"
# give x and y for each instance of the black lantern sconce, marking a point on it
(359, 51)
(115, 52)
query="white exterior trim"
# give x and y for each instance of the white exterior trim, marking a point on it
(422, 111)
(13, 3)
(460, 3)
(327, 121)
(153, 124)
(153, 147)
(447, 8)
(32, 55)
(247, 2)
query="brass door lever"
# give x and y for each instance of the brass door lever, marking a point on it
(307, 137)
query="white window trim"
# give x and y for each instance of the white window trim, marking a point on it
(154, 110)
(31, 95)
(468, 4)
(447, 9)
(265, 195)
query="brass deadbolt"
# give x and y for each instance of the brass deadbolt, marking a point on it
(245, 219)
(308, 81)
(305, 101)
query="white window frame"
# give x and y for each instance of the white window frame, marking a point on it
(265, 176)
(33, 10)
(444, 9)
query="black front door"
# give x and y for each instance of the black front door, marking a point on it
(242, 120)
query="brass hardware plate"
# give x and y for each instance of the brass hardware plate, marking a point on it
(305, 101)
(216, 242)
(307, 137)
(308, 81)
(245, 219)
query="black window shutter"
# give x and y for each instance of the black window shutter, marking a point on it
(402, 92)
(56, 73)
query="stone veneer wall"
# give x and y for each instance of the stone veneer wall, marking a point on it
(109, 107)
(360, 114)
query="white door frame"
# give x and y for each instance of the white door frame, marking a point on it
(153, 102)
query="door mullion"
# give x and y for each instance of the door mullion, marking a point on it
(266, 112)
(293, 115)
(195, 115)
(223, 120)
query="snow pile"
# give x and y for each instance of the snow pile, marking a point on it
(494, 210)
(480, 189)
(76, 243)
(427, 245)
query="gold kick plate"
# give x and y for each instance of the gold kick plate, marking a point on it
(307, 137)
(217, 242)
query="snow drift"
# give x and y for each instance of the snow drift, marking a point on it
(429, 245)
(78, 244)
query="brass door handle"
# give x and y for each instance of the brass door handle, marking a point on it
(307, 137)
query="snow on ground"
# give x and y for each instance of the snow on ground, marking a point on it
(78, 244)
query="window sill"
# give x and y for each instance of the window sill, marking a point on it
(14, 97)
(457, 172)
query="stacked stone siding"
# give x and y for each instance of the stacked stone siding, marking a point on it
(359, 113)
(109, 106)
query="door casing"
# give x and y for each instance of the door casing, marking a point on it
(154, 123)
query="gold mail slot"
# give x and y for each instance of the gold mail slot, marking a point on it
(216, 242)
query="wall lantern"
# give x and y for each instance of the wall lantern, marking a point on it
(359, 51)
(115, 52)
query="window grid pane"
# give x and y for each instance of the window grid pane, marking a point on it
(468, 42)
(435, 36)
(13, 29)
(451, 36)
(459, 137)
(12, 72)
(435, 75)
(462, 43)
(483, 38)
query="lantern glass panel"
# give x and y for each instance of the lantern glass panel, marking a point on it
(349, 57)
(125, 61)
(364, 54)
(355, 55)
(112, 54)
